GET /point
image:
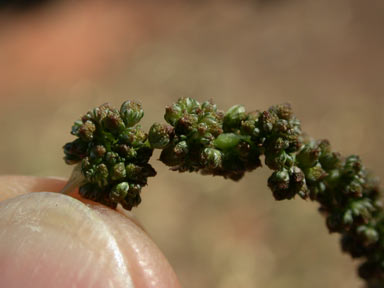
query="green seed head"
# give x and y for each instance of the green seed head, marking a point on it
(368, 234)
(279, 184)
(131, 112)
(114, 154)
(188, 105)
(113, 122)
(233, 117)
(211, 158)
(173, 114)
(118, 171)
(159, 135)
(308, 156)
(85, 130)
(108, 142)
(119, 192)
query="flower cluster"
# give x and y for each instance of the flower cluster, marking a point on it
(280, 139)
(113, 152)
(201, 138)
(350, 199)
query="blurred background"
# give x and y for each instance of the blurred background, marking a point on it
(60, 58)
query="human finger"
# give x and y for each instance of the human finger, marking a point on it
(53, 240)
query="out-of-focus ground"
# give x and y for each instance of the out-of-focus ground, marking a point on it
(324, 57)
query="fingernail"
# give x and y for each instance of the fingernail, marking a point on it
(52, 240)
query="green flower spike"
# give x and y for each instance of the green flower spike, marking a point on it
(111, 153)
(205, 139)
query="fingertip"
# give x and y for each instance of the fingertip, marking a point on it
(148, 265)
(15, 185)
(29, 221)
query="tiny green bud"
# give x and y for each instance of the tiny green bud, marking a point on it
(86, 130)
(280, 144)
(333, 177)
(98, 152)
(133, 136)
(97, 114)
(86, 163)
(208, 106)
(249, 127)
(283, 111)
(279, 184)
(206, 139)
(233, 117)
(97, 175)
(370, 235)
(76, 127)
(133, 171)
(308, 156)
(126, 151)
(352, 166)
(131, 112)
(202, 128)
(315, 174)
(363, 209)
(324, 146)
(112, 158)
(159, 135)
(113, 122)
(186, 123)
(132, 199)
(188, 104)
(119, 192)
(118, 171)
(355, 189)
(330, 161)
(173, 114)
(267, 121)
(209, 120)
(276, 161)
(282, 126)
(181, 148)
(211, 158)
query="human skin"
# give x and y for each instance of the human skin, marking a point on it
(48, 239)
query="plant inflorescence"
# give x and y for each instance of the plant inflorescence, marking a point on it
(112, 154)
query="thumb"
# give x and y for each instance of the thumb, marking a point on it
(53, 240)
